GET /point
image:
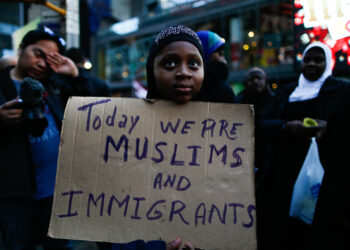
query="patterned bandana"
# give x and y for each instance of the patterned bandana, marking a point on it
(166, 36)
(176, 30)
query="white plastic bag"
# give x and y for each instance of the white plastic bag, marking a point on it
(307, 186)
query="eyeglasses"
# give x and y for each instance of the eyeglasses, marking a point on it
(50, 32)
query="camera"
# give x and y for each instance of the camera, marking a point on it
(32, 94)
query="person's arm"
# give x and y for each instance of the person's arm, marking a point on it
(298, 128)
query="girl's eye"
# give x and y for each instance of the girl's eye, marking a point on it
(194, 64)
(169, 64)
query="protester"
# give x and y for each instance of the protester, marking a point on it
(319, 96)
(28, 162)
(100, 87)
(257, 92)
(175, 72)
(216, 70)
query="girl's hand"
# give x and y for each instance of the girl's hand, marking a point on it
(62, 65)
(175, 244)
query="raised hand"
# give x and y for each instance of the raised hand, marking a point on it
(62, 65)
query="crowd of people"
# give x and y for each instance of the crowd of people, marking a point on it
(182, 66)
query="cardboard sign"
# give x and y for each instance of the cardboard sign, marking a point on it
(133, 169)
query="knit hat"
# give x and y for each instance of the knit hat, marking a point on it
(166, 36)
(210, 41)
(254, 70)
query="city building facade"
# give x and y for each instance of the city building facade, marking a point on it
(257, 33)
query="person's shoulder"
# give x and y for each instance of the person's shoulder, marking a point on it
(284, 90)
(6, 71)
(5, 78)
(288, 86)
(240, 97)
(338, 83)
(341, 81)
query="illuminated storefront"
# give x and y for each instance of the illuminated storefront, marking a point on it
(257, 33)
(327, 21)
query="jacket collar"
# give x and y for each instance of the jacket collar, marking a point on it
(7, 85)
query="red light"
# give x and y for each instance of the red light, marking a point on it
(349, 60)
(297, 4)
(317, 30)
(298, 21)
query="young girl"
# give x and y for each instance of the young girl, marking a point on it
(175, 69)
(175, 72)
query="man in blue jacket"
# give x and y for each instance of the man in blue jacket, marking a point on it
(28, 162)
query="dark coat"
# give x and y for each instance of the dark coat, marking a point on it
(219, 92)
(16, 168)
(99, 86)
(215, 85)
(285, 162)
(262, 105)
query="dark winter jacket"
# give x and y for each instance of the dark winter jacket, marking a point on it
(332, 219)
(16, 168)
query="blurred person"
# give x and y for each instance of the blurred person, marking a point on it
(257, 92)
(28, 160)
(100, 87)
(216, 68)
(324, 98)
(8, 61)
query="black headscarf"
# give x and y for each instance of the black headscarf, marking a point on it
(166, 36)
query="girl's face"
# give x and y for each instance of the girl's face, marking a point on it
(178, 71)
